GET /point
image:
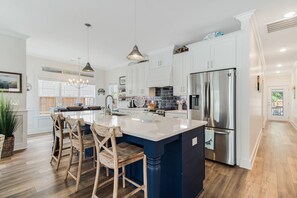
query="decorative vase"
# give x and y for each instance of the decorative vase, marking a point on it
(2, 138)
(8, 146)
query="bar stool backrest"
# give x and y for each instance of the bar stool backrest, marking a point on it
(107, 133)
(75, 133)
(58, 123)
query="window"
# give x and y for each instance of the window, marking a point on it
(56, 93)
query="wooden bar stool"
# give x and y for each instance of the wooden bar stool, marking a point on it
(80, 142)
(115, 157)
(60, 135)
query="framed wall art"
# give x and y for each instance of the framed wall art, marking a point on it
(10, 82)
(122, 80)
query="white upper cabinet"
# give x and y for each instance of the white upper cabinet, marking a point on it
(200, 55)
(160, 59)
(215, 54)
(160, 68)
(136, 80)
(223, 52)
(181, 70)
(129, 81)
(142, 70)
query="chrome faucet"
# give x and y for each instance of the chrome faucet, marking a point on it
(107, 110)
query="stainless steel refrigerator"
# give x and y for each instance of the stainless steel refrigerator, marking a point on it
(211, 97)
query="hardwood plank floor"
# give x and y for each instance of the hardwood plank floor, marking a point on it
(28, 173)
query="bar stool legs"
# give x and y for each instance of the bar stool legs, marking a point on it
(60, 153)
(96, 178)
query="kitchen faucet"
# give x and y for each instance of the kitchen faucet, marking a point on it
(107, 110)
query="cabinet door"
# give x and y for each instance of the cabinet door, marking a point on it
(223, 52)
(129, 81)
(142, 69)
(161, 59)
(186, 70)
(177, 74)
(200, 54)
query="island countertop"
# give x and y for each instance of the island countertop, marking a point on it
(146, 126)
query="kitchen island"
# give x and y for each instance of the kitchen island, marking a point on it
(174, 150)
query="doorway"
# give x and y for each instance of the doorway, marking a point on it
(278, 102)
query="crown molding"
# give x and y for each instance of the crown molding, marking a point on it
(13, 34)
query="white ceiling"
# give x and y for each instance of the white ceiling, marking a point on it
(56, 27)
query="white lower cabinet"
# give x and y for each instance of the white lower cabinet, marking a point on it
(181, 70)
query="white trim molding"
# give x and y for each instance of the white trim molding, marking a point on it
(248, 163)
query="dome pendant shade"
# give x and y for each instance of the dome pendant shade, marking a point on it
(135, 54)
(88, 68)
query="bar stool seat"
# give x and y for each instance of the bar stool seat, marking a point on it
(87, 142)
(127, 153)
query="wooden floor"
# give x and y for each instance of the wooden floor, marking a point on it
(29, 173)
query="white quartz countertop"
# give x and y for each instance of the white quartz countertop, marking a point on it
(146, 126)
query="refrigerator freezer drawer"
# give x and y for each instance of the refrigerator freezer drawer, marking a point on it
(224, 147)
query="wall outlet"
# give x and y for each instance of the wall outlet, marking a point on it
(194, 141)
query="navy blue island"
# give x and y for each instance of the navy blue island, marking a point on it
(174, 150)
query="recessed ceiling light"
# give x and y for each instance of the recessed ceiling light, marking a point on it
(279, 65)
(289, 14)
(283, 49)
(277, 72)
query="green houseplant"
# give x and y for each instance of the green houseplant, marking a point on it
(8, 125)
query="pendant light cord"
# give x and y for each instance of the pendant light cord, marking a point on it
(88, 44)
(134, 22)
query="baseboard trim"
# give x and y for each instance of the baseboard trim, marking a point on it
(248, 163)
(39, 134)
(254, 154)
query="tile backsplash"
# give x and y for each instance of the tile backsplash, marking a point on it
(164, 99)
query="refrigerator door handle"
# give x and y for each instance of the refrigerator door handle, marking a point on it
(205, 101)
(222, 133)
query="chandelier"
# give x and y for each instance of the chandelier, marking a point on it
(78, 82)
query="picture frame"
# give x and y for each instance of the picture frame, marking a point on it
(10, 82)
(122, 80)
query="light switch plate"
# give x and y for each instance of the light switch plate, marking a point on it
(194, 141)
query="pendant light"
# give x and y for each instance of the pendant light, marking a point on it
(135, 54)
(88, 67)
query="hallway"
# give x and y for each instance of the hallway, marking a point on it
(29, 173)
(274, 173)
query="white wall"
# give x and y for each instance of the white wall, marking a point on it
(112, 76)
(293, 117)
(249, 101)
(256, 115)
(13, 59)
(40, 123)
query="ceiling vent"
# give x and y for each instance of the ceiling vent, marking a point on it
(51, 69)
(69, 72)
(282, 24)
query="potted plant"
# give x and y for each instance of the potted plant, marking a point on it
(8, 125)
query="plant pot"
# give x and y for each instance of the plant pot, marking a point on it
(8, 146)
